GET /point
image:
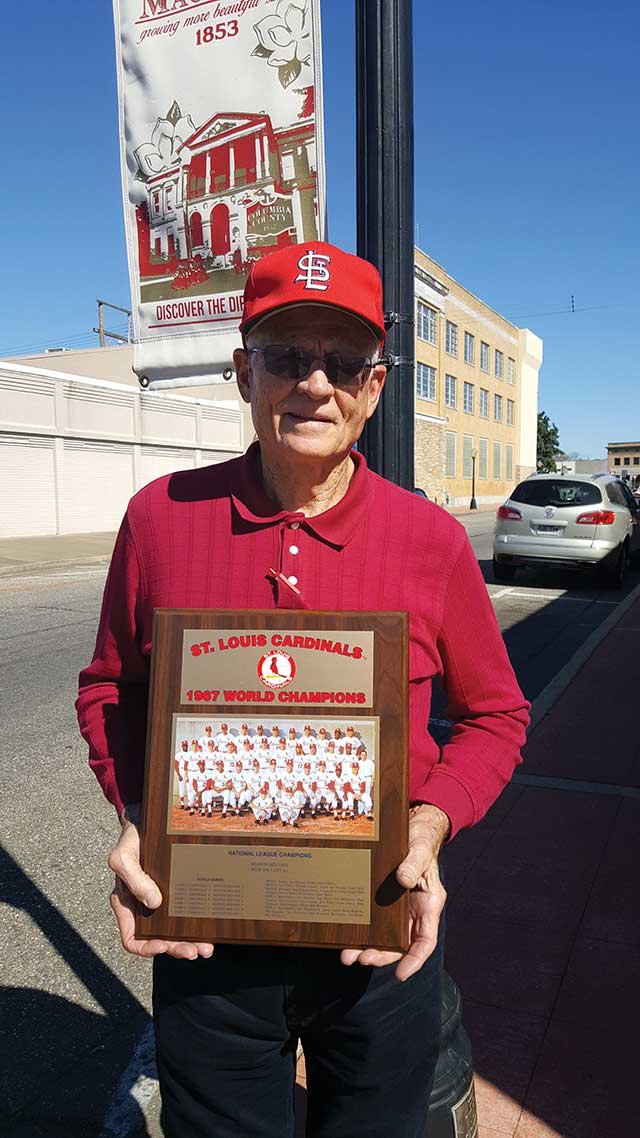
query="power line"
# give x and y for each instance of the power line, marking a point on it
(571, 310)
(75, 340)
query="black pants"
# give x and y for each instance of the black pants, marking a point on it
(227, 1031)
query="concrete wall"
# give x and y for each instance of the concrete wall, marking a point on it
(531, 355)
(74, 450)
(115, 365)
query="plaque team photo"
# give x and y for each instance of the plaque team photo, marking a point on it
(317, 778)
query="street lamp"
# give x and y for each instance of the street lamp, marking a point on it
(473, 505)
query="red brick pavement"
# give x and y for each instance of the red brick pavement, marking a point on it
(543, 922)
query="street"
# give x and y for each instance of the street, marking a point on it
(545, 615)
(75, 1004)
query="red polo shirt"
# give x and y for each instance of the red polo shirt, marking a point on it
(208, 538)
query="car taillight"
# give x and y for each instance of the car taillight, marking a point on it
(509, 514)
(596, 518)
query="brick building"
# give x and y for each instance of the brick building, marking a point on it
(476, 397)
(624, 459)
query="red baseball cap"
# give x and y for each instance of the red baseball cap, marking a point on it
(314, 272)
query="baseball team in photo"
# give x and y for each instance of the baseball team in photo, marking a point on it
(277, 773)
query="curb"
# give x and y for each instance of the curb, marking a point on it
(550, 695)
(25, 568)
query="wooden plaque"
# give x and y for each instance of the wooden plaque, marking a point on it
(276, 788)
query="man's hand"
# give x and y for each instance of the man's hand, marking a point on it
(132, 885)
(428, 829)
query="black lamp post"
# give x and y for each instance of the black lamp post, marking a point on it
(385, 214)
(473, 505)
(384, 88)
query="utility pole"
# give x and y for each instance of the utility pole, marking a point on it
(102, 331)
(384, 104)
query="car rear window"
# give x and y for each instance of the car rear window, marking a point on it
(548, 492)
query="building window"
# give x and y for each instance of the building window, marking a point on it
(467, 398)
(451, 340)
(469, 348)
(636, 462)
(426, 382)
(467, 456)
(484, 356)
(511, 370)
(427, 324)
(451, 455)
(450, 385)
(288, 167)
(484, 403)
(616, 462)
(483, 464)
(509, 463)
(511, 412)
(497, 460)
(499, 362)
(497, 408)
(627, 460)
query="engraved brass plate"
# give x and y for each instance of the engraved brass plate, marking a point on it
(269, 883)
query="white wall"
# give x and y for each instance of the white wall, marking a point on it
(531, 355)
(73, 450)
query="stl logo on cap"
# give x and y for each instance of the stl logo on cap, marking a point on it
(314, 271)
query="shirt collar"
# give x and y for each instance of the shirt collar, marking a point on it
(335, 526)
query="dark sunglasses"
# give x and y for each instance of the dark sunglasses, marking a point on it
(295, 363)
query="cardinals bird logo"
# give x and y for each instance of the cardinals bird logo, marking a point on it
(276, 669)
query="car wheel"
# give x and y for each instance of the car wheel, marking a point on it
(613, 572)
(502, 572)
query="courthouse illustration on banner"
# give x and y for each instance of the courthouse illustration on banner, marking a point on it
(222, 160)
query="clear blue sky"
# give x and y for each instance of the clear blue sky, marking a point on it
(527, 179)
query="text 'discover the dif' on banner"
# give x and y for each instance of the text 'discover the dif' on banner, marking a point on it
(222, 154)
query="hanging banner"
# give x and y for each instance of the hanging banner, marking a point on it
(222, 163)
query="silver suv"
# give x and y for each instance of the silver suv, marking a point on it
(571, 521)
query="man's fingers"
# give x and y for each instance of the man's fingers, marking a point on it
(349, 956)
(123, 905)
(124, 861)
(377, 958)
(368, 957)
(410, 871)
(418, 954)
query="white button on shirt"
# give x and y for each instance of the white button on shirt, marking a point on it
(295, 525)
(293, 549)
(293, 580)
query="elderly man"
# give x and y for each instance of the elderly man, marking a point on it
(300, 522)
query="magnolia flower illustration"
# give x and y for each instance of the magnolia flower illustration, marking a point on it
(284, 39)
(167, 137)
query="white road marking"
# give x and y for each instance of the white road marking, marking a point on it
(137, 1086)
(101, 572)
(501, 593)
(517, 595)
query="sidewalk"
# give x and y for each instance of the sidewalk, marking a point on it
(18, 554)
(464, 511)
(543, 923)
(543, 932)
